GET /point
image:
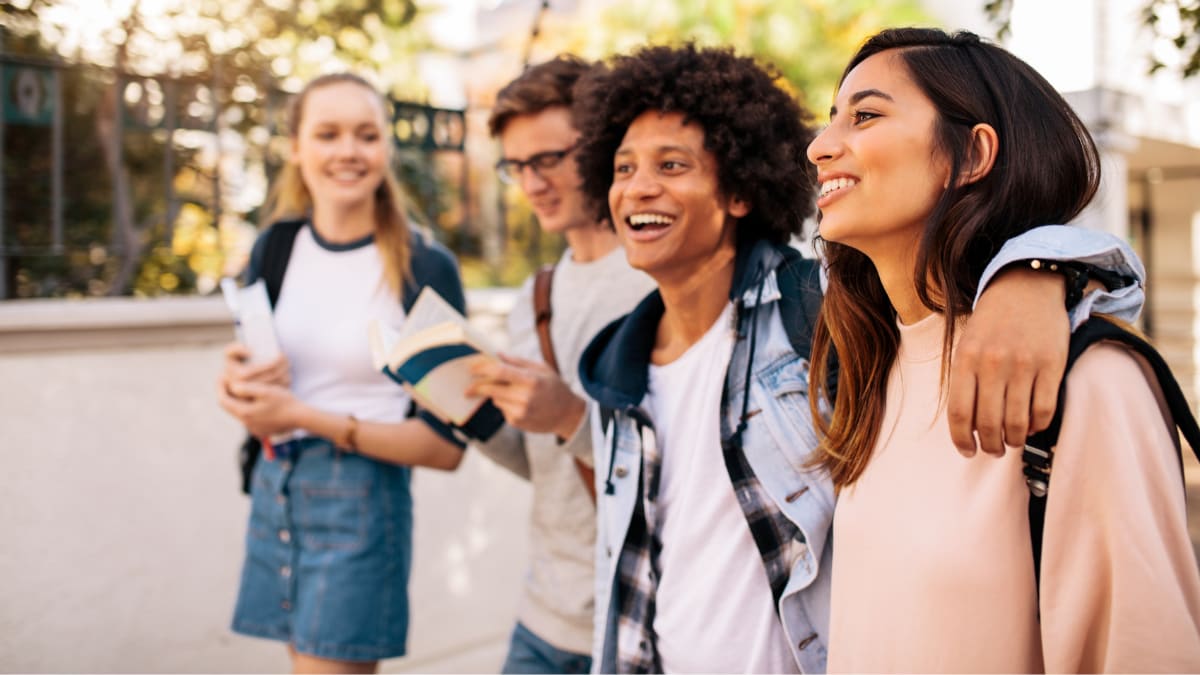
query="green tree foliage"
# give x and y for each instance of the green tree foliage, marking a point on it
(808, 41)
(232, 61)
(257, 38)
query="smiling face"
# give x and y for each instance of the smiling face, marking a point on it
(879, 169)
(665, 199)
(340, 146)
(553, 192)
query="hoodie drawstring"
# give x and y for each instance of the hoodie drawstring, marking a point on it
(737, 434)
(609, 488)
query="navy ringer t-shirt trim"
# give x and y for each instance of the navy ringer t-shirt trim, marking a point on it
(336, 248)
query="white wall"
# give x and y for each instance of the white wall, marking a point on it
(122, 523)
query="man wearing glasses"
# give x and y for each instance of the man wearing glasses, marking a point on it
(547, 440)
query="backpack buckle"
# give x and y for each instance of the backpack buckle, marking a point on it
(1037, 469)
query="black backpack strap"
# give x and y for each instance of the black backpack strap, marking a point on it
(432, 264)
(276, 250)
(799, 306)
(1039, 447)
(799, 282)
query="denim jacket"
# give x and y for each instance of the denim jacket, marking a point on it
(766, 386)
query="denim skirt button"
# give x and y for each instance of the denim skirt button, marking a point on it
(285, 536)
(285, 571)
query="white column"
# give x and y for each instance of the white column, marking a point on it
(1109, 210)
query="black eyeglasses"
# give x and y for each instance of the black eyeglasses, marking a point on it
(510, 169)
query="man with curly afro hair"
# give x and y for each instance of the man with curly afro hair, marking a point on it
(713, 548)
(698, 159)
(756, 129)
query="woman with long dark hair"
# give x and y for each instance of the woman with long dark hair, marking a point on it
(940, 148)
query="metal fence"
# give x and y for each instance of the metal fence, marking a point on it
(71, 134)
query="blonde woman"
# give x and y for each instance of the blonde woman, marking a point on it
(329, 545)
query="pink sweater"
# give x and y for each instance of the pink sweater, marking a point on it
(933, 572)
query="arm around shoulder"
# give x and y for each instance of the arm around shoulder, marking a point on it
(1088, 247)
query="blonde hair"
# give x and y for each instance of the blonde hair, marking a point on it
(290, 197)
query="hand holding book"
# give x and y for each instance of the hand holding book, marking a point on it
(431, 357)
(532, 396)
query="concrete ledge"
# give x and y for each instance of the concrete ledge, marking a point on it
(106, 323)
(122, 323)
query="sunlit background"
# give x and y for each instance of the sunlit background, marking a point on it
(137, 142)
(167, 203)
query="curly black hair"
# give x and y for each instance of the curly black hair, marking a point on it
(757, 132)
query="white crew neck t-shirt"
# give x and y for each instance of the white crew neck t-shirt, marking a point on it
(714, 609)
(330, 294)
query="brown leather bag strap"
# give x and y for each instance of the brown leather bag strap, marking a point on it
(542, 313)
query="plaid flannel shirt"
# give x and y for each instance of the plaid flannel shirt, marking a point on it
(778, 540)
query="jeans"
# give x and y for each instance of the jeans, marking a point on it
(528, 653)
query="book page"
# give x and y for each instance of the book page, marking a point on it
(382, 339)
(432, 354)
(435, 321)
(430, 309)
(434, 336)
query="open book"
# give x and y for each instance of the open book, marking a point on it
(431, 357)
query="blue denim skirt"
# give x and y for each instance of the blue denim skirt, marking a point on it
(328, 553)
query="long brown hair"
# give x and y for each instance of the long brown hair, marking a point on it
(290, 197)
(1046, 171)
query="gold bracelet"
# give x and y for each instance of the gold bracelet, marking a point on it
(351, 442)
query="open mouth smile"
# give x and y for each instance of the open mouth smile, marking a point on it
(347, 175)
(831, 186)
(641, 221)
